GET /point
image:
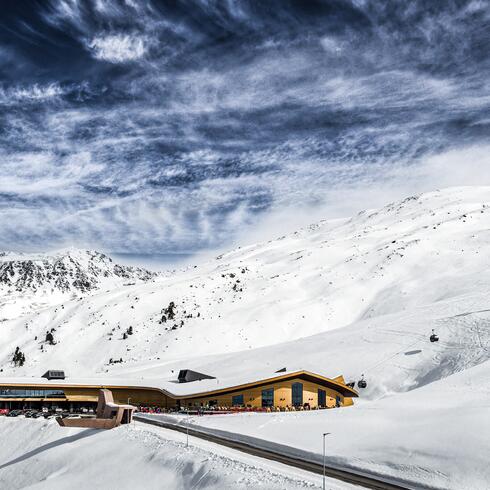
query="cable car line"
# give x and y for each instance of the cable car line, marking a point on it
(362, 383)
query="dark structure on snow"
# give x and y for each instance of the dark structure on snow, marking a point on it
(187, 375)
(53, 374)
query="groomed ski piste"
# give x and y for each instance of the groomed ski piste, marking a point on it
(352, 296)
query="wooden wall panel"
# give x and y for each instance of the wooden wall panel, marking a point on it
(282, 396)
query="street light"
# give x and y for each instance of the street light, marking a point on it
(324, 434)
(187, 428)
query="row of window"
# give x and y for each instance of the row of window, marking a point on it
(268, 396)
(28, 393)
(296, 397)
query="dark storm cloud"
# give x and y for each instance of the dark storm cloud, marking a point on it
(162, 126)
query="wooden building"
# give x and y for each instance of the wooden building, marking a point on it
(285, 389)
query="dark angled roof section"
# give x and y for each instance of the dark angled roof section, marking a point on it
(54, 374)
(187, 376)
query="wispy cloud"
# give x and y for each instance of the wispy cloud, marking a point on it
(118, 48)
(35, 92)
(145, 127)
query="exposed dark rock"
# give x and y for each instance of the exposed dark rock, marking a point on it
(78, 271)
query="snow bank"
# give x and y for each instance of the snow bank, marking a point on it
(40, 454)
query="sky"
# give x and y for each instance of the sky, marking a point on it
(166, 128)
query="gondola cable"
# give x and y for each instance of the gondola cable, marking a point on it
(362, 383)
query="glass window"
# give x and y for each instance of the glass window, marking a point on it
(268, 397)
(30, 393)
(237, 400)
(54, 393)
(322, 398)
(297, 395)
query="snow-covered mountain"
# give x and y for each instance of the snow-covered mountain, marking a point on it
(325, 297)
(349, 296)
(32, 281)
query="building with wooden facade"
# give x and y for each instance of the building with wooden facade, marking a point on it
(282, 390)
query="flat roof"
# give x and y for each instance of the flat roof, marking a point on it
(176, 390)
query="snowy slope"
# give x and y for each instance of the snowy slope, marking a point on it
(349, 296)
(425, 254)
(43, 455)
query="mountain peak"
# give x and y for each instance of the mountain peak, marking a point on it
(66, 271)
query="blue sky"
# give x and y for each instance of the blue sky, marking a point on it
(154, 128)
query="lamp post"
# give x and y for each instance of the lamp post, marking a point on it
(187, 427)
(324, 434)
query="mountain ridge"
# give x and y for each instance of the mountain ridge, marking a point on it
(73, 269)
(42, 279)
(372, 284)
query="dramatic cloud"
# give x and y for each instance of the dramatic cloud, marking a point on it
(155, 127)
(34, 92)
(118, 48)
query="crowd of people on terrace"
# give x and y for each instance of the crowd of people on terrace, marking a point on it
(218, 408)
